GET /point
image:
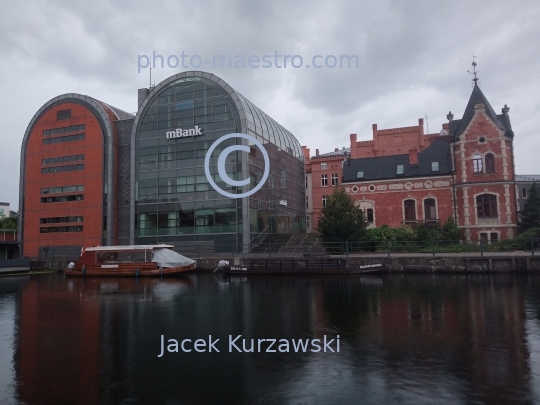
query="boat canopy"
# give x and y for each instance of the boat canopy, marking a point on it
(127, 247)
(168, 258)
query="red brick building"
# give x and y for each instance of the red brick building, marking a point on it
(68, 161)
(403, 176)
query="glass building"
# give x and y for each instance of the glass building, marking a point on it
(171, 200)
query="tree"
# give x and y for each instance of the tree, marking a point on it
(341, 219)
(530, 215)
(8, 222)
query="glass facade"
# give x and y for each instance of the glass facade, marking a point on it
(174, 202)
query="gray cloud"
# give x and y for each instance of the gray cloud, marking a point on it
(413, 58)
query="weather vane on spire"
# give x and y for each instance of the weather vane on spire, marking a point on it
(474, 72)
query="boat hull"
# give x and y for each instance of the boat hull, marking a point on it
(328, 266)
(132, 270)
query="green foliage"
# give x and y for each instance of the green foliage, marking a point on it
(530, 215)
(341, 219)
(8, 222)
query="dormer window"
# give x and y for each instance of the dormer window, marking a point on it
(434, 166)
(360, 175)
(399, 169)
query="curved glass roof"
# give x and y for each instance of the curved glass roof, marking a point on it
(256, 120)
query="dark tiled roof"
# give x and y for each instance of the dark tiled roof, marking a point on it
(457, 127)
(385, 167)
(346, 151)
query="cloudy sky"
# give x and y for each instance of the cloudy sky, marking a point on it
(413, 61)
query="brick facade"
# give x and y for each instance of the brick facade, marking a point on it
(453, 186)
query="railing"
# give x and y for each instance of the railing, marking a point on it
(8, 235)
(370, 247)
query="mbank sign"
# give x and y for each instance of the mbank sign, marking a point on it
(182, 133)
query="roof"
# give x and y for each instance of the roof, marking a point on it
(385, 167)
(528, 177)
(344, 151)
(126, 247)
(457, 127)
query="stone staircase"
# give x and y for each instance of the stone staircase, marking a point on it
(273, 241)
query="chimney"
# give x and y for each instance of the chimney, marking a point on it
(336, 149)
(142, 94)
(375, 146)
(316, 152)
(353, 146)
(305, 150)
(413, 157)
(421, 132)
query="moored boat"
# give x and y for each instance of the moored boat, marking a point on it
(298, 266)
(131, 261)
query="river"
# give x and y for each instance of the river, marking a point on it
(415, 339)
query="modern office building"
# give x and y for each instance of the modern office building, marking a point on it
(92, 174)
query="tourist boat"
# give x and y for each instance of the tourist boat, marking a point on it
(134, 261)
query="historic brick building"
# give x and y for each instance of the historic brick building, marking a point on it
(403, 176)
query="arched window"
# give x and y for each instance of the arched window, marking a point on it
(486, 206)
(409, 210)
(490, 163)
(430, 209)
(477, 163)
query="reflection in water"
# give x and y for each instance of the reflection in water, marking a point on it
(443, 339)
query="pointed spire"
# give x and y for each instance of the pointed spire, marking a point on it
(474, 72)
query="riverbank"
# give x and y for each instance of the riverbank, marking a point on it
(405, 263)
(495, 262)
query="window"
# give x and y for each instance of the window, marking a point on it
(271, 180)
(64, 189)
(57, 169)
(307, 222)
(324, 200)
(61, 229)
(409, 210)
(62, 159)
(271, 204)
(477, 163)
(283, 178)
(307, 202)
(483, 238)
(434, 166)
(63, 115)
(430, 209)
(63, 198)
(486, 206)
(56, 220)
(369, 215)
(493, 237)
(62, 130)
(259, 204)
(360, 175)
(399, 169)
(67, 138)
(334, 179)
(490, 163)
(523, 192)
(324, 166)
(306, 183)
(324, 180)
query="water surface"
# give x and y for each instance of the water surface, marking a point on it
(420, 339)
